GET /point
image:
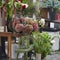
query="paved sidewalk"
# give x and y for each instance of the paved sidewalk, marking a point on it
(53, 56)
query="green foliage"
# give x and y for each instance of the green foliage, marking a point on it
(58, 10)
(17, 5)
(24, 41)
(1, 3)
(33, 8)
(42, 43)
(9, 7)
(50, 3)
(37, 8)
(24, 1)
(30, 10)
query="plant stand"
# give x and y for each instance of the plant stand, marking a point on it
(25, 51)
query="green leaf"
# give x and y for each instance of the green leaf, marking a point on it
(1, 3)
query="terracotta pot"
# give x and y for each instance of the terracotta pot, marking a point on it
(38, 56)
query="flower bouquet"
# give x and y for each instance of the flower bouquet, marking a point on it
(22, 28)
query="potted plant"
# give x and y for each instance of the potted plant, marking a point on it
(42, 44)
(58, 13)
(51, 5)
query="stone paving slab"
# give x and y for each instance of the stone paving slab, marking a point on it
(55, 56)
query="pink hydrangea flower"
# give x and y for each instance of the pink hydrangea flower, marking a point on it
(35, 26)
(28, 29)
(19, 27)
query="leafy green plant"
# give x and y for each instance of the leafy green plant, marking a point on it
(9, 8)
(58, 10)
(24, 1)
(24, 41)
(42, 43)
(50, 3)
(1, 3)
(30, 10)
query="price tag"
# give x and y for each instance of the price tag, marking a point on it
(1, 28)
(51, 25)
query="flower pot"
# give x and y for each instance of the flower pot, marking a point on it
(38, 56)
(52, 13)
(57, 16)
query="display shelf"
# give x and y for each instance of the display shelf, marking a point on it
(50, 29)
(54, 21)
(54, 28)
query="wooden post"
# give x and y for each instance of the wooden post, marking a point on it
(0, 41)
(0, 23)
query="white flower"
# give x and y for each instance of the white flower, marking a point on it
(52, 41)
(26, 5)
(42, 22)
(34, 36)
